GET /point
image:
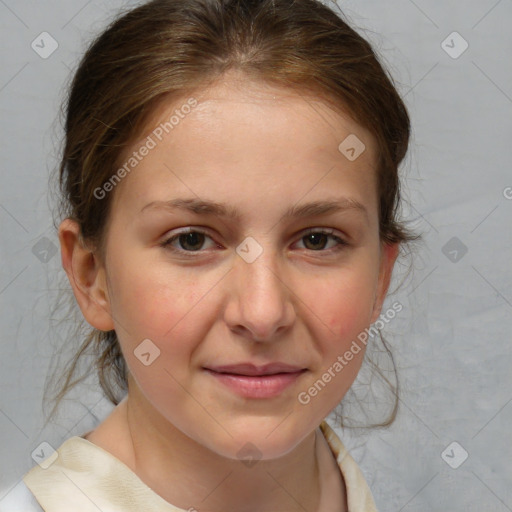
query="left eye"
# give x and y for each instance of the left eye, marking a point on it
(316, 240)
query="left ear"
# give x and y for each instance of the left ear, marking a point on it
(388, 255)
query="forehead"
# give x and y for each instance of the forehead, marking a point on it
(243, 134)
(236, 99)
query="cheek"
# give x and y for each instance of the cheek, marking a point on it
(174, 312)
(172, 317)
(345, 309)
(153, 304)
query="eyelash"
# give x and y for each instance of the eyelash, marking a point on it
(341, 244)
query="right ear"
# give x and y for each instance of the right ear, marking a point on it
(86, 275)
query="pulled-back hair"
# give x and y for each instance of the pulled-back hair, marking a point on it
(167, 49)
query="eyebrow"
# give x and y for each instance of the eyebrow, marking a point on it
(206, 207)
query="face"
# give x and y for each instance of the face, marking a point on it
(245, 237)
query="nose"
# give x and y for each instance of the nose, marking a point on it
(260, 307)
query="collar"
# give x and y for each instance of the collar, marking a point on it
(91, 479)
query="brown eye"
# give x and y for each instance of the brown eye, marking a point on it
(191, 241)
(317, 240)
(188, 241)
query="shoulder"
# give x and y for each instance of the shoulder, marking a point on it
(359, 495)
(19, 499)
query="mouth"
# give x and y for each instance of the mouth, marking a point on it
(251, 370)
(250, 381)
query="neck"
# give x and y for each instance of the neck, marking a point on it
(191, 476)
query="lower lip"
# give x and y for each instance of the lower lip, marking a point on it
(264, 386)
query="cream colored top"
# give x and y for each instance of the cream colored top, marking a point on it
(86, 478)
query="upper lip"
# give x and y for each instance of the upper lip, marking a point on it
(251, 369)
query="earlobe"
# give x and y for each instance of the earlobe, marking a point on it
(389, 253)
(86, 275)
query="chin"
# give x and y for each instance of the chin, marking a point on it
(252, 441)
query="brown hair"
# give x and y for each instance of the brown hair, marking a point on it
(167, 49)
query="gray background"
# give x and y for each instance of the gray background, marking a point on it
(452, 339)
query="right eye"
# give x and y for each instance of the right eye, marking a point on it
(189, 240)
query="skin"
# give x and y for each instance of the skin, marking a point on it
(260, 150)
